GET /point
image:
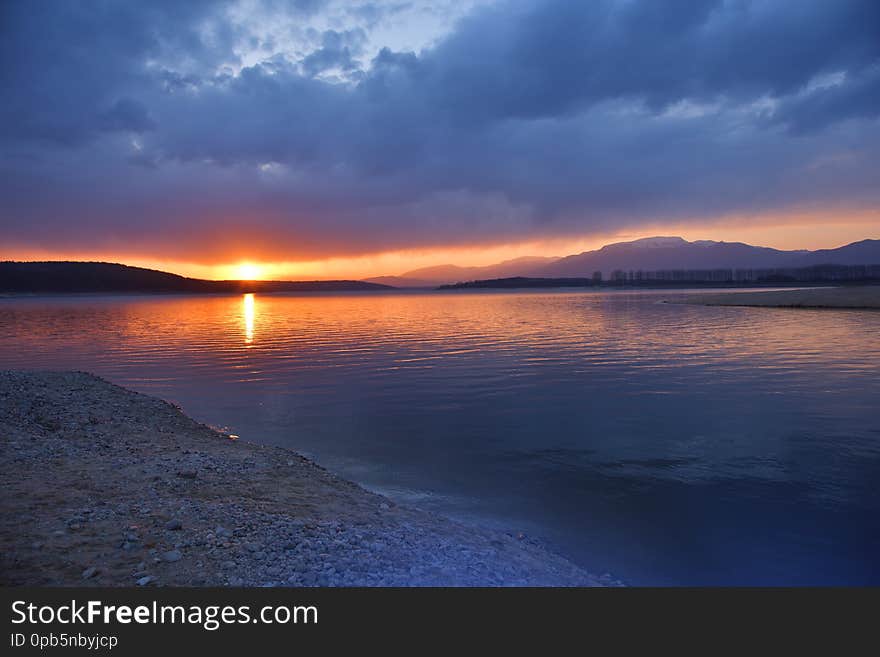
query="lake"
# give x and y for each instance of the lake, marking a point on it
(665, 444)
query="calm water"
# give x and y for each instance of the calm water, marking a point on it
(665, 444)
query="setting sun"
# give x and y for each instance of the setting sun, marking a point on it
(248, 271)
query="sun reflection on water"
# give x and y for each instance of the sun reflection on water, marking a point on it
(249, 313)
(502, 405)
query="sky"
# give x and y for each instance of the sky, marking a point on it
(334, 139)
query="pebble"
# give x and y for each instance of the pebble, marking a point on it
(340, 535)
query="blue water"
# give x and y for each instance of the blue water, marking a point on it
(662, 443)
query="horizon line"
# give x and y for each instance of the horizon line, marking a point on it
(372, 278)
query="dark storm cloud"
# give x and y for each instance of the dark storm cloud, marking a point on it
(858, 98)
(529, 119)
(556, 57)
(65, 65)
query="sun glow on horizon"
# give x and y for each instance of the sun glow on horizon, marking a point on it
(249, 271)
(785, 231)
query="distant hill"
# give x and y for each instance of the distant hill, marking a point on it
(821, 274)
(648, 254)
(401, 281)
(520, 282)
(866, 252)
(665, 253)
(437, 275)
(80, 277)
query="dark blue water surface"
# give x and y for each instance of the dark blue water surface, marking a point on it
(662, 443)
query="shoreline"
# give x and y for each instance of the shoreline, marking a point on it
(865, 297)
(108, 487)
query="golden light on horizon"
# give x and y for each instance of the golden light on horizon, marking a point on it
(793, 230)
(249, 312)
(249, 271)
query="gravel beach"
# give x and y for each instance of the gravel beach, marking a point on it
(856, 297)
(107, 487)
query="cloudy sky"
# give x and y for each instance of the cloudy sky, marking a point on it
(332, 138)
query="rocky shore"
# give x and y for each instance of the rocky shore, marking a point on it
(107, 487)
(854, 297)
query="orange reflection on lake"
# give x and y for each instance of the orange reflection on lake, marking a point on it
(249, 314)
(655, 441)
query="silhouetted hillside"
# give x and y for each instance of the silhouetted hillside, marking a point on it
(432, 276)
(865, 252)
(519, 282)
(668, 253)
(402, 281)
(79, 277)
(648, 254)
(814, 274)
(663, 253)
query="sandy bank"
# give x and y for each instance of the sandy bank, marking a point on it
(104, 486)
(862, 297)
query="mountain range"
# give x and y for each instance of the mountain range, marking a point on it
(648, 254)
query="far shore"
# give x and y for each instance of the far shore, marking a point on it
(108, 487)
(865, 297)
